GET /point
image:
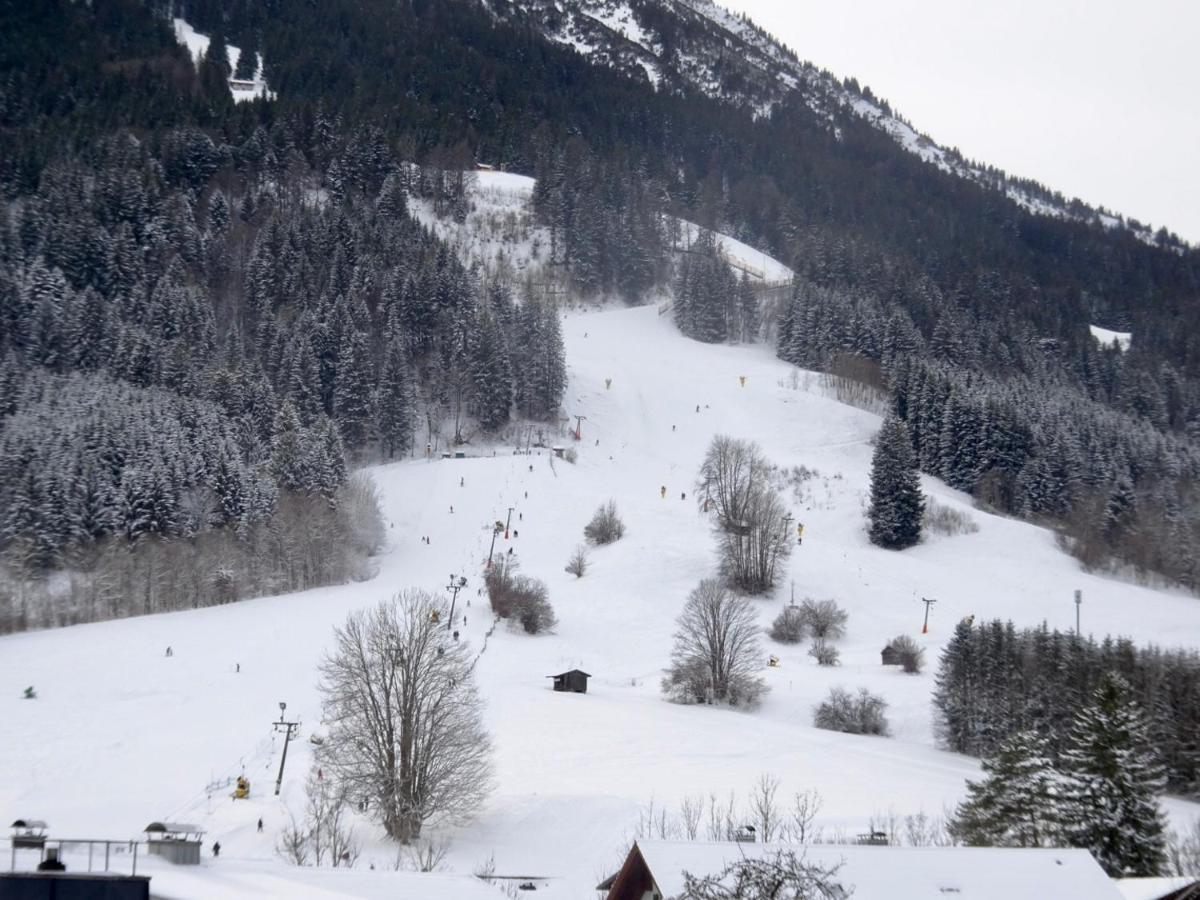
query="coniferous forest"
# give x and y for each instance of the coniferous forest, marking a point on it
(209, 311)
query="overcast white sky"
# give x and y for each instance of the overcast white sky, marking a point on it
(1095, 98)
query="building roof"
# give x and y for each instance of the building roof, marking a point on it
(905, 873)
(172, 828)
(1156, 888)
(570, 672)
(28, 823)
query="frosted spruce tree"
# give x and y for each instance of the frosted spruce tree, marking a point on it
(1017, 804)
(896, 501)
(1113, 779)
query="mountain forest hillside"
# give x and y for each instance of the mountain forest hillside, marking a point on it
(211, 311)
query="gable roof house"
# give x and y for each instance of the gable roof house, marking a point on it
(654, 870)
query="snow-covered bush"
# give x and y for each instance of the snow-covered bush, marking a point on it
(910, 653)
(825, 654)
(606, 526)
(716, 650)
(789, 626)
(519, 597)
(845, 712)
(946, 520)
(577, 564)
(825, 619)
(532, 605)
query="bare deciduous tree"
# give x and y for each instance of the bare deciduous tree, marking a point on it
(292, 844)
(752, 532)
(716, 650)
(764, 811)
(826, 620)
(404, 718)
(781, 875)
(577, 564)
(805, 806)
(789, 626)
(731, 471)
(606, 525)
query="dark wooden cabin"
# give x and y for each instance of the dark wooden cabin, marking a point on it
(890, 656)
(574, 681)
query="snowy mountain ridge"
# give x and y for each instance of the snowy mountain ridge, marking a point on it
(727, 57)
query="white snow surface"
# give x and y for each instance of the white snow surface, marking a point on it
(121, 735)
(904, 873)
(1152, 888)
(1108, 337)
(197, 45)
(761, 268)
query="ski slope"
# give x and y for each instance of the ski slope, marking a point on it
(121, 735)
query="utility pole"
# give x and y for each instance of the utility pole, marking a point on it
(787, 525)
(579, 427)
(1078, 604)
(928, 601)
(289, 732)
(508, 522)
(457, 583)
(496, 527)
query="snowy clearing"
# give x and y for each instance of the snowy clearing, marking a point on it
(197, 45)
(1108, 338)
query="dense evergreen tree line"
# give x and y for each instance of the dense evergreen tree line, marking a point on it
(1101, 794)
(1006, 420)
(995, 680)
(196, 332)
(929, 275)
(711, 303)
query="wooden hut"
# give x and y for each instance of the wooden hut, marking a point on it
(573, 681)
(890, 656)
(29, 834)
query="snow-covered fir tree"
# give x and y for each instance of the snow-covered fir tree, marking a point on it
(896, 501)
(1113, 781)
(1017, 804)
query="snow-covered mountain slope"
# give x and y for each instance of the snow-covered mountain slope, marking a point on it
(727, 57)
(197, 44)
(121, 735)
(499, 232)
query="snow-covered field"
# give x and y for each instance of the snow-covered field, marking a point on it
(121, 735)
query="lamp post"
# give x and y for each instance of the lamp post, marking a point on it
(1078, 604)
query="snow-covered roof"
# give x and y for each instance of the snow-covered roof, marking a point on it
(238, 879)
(1152, 888)
(905, 873)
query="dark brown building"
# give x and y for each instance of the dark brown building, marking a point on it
(574, 681)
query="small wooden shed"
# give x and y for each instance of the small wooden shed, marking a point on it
(29, 834)
(175, 842)
(574, 681)
(890, 656)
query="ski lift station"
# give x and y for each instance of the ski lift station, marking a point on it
(29, 834)
(174, 842)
